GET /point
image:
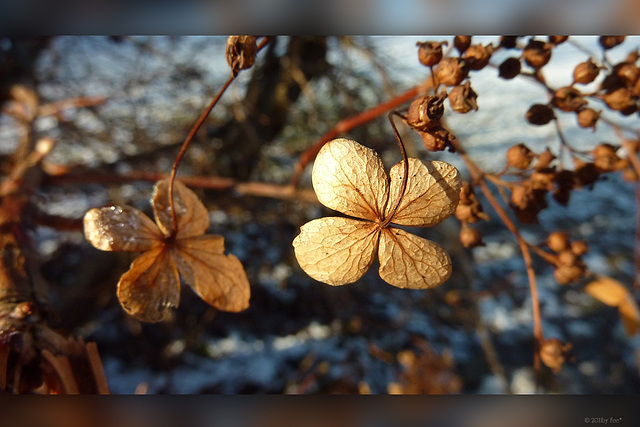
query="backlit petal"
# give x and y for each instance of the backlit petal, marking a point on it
(193, 217)
(116, 228)
(432, 193)
(336, 250)
(350, 178)
(219, 279)
(151, 286)
(409, 261)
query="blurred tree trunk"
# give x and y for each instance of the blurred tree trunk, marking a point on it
(274, 87)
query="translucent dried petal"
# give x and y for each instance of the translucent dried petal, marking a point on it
(432, 193)
(151, 286)
(350, 178)
(409, 261)
(115, 228)
(336, 250)
(220, 280)
(193, 217)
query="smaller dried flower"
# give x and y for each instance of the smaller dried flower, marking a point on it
(152, 284)
(554, 353)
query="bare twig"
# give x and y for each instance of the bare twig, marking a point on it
(353, 122)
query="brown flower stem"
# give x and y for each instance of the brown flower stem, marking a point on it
(353, 122)
(479, 179)
(185, 145)
(192, 133)
(550, 258)
(405, 170)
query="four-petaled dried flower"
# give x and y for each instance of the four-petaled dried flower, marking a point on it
(152, 284)
(351, 179)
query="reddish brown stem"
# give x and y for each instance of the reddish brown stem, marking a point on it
(189, 138)
(185, 145)
(479, 176)
(405, 171)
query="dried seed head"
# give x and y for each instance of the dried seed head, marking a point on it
(462, 43)
(621, 164)
(241, 53)
(604, 150)
(477, 56)
(605, 158)
(588, 117)
(430, 53)
(469, 210)
(564, 183)
(462, 98)
(425, 112)
(537, 53)
(509, 68)
(527, 201)
(622, 100)
(556, 40)
(585, 72)
(608, 42)
(509, 42)
(558, 241)
(542, 179)
(540, 114)
(630, 175)
(544, 159)
(568, 99)
(586, 173)
(579, 247)
(519, 156)
(566, 274)
(520, 195)
(437, 139)
(470, 237)
(451, 71)
(553, 353)
(567, 257)
(627, 72)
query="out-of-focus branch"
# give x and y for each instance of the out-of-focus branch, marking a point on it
(352, 122)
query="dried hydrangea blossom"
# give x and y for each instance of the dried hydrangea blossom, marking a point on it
(351, 179)
(152, 283)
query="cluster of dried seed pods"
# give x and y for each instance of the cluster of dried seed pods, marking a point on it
(469, 211)
(567, 257)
